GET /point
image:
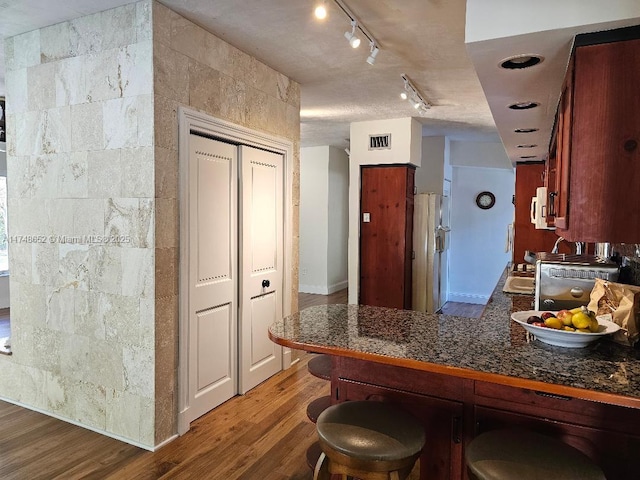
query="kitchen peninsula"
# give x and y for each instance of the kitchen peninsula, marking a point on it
(462, 376)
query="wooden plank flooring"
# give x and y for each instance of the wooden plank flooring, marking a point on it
(262, 435)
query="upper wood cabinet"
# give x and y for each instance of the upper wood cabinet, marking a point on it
(597, 154)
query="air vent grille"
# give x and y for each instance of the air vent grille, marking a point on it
(380, 142)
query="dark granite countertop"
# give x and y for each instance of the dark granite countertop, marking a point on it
(492, 348)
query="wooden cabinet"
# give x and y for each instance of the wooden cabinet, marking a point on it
(386, 232)
(598, 137)
(558, 201)
(604, 433)
(454, 410)
(529, 176)
(441, 417)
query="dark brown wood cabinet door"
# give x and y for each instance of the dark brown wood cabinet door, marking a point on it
(385, 240)
(529, 176)
(605, 144)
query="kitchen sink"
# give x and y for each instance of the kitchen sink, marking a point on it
(519, 284)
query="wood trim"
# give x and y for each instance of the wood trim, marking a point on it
(467, 374)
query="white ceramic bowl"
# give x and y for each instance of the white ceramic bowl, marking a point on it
(563, 338)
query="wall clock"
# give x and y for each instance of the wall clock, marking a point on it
(485, 200)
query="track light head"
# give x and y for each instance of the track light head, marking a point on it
(351, 36)
(413, 96)
(374, 53)
(320, 11)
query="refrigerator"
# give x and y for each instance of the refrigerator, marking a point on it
(430, 244)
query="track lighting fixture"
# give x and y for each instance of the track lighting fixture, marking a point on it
(374, 53)
(414, 97)
(351, 36)
(321, 10)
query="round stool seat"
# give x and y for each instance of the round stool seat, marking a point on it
(509, 454)
(370, 431)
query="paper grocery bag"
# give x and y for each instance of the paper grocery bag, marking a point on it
(622, 303)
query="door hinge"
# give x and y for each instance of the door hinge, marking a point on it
(413, 254)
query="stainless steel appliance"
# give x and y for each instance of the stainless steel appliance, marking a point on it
(565, 281)
(430, 245)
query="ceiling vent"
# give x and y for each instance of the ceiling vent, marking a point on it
(380, 142)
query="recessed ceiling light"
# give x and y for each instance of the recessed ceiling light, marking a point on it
(523, 105)
(531, 145)
(525, 130)
(520, 61)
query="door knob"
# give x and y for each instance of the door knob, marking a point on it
(265, 283)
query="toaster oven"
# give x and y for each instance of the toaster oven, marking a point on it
(565, 281)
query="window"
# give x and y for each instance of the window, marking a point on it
(4, 259)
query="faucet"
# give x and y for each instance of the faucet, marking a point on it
(555, 245)
(579, 246)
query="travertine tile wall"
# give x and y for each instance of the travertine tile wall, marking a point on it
(196, 69)
(81, 216)
(93, 186)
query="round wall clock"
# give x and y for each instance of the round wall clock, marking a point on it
(485, 200)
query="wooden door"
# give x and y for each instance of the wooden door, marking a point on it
(386, 230)
(261, 264)
(212, 273)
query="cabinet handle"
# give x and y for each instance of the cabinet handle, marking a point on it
(552, 204)
(455, 429)
(552, 395)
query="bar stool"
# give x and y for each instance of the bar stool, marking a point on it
(367, 440)
(524, 455)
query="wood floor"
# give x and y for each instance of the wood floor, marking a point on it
(262, 435)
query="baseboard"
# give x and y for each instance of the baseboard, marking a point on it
(336, 287)
(467, 298)
(315, 289)
(323, 289)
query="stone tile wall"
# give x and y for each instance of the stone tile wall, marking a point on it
(194, 68)
(81, 218)
(93, 205)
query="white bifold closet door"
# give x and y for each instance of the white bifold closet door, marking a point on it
(234, 268)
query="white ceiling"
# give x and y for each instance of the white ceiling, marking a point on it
(422, 38)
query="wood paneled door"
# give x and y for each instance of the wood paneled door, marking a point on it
(386, 231)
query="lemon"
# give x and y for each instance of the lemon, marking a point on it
(593, 324)
(568, 328)
(581, 320)
(553, 322)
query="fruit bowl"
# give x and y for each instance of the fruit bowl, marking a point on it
(563, 338)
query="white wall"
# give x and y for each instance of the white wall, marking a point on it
(324, 186)
(338, 232)
(479, 154)
(488, 19)
(406, 137)
(314, 218)
(477, 254)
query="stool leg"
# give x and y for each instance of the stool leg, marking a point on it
(321, 472)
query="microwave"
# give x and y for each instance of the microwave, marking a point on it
(538, 211)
